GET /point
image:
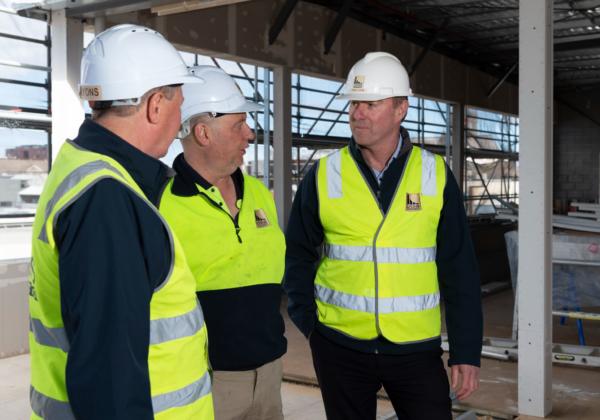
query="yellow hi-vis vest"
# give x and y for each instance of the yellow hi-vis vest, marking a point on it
(177, 360)
(378, 275)
(228, 259)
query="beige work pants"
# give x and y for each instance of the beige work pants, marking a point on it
(248, 395)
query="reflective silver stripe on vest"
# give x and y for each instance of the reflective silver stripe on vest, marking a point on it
(334, 175)
(384, 255)
(52, 337)
(428, 177)
(184, 396)
(385, 305)
(49, 408)
(69, 182)
(167, 329)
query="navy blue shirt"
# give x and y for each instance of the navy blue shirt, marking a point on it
(113, 252)
(458, 273)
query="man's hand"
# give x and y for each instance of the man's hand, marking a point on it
(465, 380)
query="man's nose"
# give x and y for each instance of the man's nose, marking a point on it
(249, 133)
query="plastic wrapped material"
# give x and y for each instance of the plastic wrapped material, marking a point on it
(512, 250)
(576, 269)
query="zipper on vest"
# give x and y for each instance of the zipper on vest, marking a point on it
(377, 327)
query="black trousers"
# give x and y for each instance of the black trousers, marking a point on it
(417, 384)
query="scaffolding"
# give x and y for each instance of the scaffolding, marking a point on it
(319, 125)
(491, 182)
(25, 104)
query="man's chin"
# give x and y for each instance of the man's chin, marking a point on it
(360, 139)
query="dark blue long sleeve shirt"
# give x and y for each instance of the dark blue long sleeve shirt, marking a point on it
(458, 273)
(245, 326)
(113, 252)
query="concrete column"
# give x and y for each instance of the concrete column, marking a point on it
(282, 142)
(67, 108)
(535, 207)
(458, 143)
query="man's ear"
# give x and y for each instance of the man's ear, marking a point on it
(403, 109)
(153, 106)
(200, 134)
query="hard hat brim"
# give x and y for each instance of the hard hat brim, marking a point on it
(368, 96)
(247, 106)
(197, 80)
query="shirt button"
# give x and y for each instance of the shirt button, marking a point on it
(220, 204)
(212, 190)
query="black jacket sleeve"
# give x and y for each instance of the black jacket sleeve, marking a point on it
(111, 256)
(458, 276)
(304, 236)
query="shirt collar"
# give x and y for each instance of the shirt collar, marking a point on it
(149, 173)
(187, 179)
(404, 145)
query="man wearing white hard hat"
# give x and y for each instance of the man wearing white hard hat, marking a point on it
(389, 219)
(116, 331)
(228, 227)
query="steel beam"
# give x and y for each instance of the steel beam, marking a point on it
(534, 292)
(458, 143)
(24, 38)
(78, 9)
(23, 83)
(335, 27)
(23, 65)
(281, 19)
(430, 45)
(584, 44)
(267, 127)
(497, 85)
(282, 142)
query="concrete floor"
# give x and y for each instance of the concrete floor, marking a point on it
(576, 391)
(300, 402)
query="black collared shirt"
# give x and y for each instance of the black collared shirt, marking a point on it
(458, 273)
(113, 252)
(184, 184)
(246, 318)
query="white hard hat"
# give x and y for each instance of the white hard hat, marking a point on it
(378, 75)
(220, 95)
(126, 61)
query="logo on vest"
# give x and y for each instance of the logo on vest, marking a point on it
(413, 201)
(261, 218)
